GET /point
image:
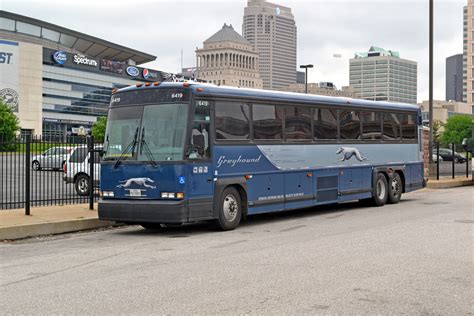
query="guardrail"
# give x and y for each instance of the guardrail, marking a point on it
(444, 156)
(36, 172)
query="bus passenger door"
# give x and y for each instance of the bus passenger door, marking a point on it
(200, 172)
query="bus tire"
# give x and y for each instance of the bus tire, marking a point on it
(151, 226)
(230, 209)
(395, 189)
(380, 194)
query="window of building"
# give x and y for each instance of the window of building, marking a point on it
(28, 28)
(7, 24)
(50, 34)
(232, 121)
(67, 40)
(267, 122)
(297, 123)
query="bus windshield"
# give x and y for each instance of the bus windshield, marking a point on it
(161, 128)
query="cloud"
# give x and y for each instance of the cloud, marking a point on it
(165, 27)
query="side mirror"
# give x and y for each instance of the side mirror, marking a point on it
(465, 144)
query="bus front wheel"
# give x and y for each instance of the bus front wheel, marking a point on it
(230, 209)
(380, 190)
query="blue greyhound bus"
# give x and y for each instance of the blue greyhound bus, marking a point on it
(187, 152)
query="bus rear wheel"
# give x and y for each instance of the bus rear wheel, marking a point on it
(230, 209)
(380, 194)
(395, 189)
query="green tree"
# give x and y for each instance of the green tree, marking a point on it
(456, 129)
(98, 129)
(437, 125)
(9, 126)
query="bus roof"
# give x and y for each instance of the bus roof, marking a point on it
(225, 91)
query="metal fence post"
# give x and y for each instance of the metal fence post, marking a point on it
(437, 160)
(453, 148)
(90, 145)
(27, 174)
(467, 163)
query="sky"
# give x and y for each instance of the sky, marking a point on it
(164, 28)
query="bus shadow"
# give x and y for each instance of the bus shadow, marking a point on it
(186, 230)
(333, 210)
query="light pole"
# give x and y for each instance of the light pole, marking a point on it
(430, 145)
(306, 76)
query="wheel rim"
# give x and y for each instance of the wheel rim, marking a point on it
(82, 185)
(230, 208)
(396, 187)
(380, 190)
(36, 165)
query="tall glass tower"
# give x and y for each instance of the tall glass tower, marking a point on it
(271, 29)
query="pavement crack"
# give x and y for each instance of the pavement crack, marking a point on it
(40, 275)
(292, 228)
(229, 244)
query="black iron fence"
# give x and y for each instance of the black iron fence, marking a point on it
(452, 163)
(36, 172)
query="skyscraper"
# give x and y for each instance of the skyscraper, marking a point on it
(468, 54)
(381, 75)
(454, 73)
(272, 31)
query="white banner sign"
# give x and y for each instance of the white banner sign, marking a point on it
(9, 67)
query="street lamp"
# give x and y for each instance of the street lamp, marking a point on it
(306, 76)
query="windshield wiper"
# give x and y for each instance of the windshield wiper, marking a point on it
(144, 145)
(131, 146)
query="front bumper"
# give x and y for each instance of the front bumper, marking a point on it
(143, 211)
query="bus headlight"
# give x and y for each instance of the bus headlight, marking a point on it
(172, 195)
(108, 193)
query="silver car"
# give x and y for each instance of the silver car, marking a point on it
(76, 169)
(53, 158)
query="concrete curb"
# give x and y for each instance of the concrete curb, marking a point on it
(445, 184)
(52, 228)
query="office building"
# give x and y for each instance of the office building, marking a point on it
(464, 55)
(271, 29)
(381, 75)
(454, 78)
(468, 54)
(57, 80)
(442, 110)
(300, 77)
(322, 88)
(228, 59)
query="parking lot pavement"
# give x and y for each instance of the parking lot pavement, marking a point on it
(415, 257)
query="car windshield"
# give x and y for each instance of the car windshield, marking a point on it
(161, 128)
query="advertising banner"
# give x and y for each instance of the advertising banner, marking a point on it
(9, 67)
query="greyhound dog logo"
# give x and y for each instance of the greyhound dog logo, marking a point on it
(138, 181)
(348, 152)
